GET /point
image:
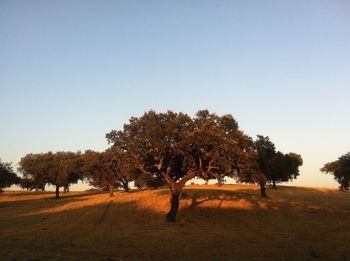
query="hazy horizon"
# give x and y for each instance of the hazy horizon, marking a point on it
(71, 71)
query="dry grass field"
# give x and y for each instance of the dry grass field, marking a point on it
(230, 222)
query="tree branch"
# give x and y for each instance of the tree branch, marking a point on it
(190, 175)
(160, 164)
(142, 168)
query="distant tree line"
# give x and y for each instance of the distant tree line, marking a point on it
(159, 149)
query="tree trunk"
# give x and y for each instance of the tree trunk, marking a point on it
(219, 182)
(174, 206)
(57, 191)
(66, 189)
(263, 189)
(110, 188)
(125, 186)
(274, 184)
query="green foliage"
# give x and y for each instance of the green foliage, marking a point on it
(7, 176)
(340, 169)
(32, 168)
(59, 169)
(109, 168)
(176, 148)
(276, 166)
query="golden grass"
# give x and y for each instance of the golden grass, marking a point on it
(230, 222)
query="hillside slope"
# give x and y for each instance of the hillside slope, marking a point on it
(230, 222)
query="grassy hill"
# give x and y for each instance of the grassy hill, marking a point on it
(231, 222)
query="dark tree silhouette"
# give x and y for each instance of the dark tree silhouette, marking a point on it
(276, 166)
(176, 148)
(7, 176)
(265, 152)
(285, 167)
(29, 184)
(340, 169)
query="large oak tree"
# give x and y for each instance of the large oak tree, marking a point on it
(176, 148)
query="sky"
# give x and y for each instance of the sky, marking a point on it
(71, 71)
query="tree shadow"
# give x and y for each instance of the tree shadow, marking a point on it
(62, 194)
(206, 228)
(89, 232)
(284, 198)
(29, 203)
(199, 196)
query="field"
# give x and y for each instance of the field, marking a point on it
(230, 222)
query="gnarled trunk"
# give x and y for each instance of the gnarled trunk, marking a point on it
(57, 191)
(175, 191)
(174, 206)
(110, 189)
(263, 189)
(66, 189)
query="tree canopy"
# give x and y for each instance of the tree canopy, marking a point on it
(276, 166)
(7, 176)
(176, 148)
(59, 169)
(340, 169)
(110, 169)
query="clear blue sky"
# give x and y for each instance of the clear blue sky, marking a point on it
(70, 71)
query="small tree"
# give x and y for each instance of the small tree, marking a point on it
(274, 165)
(261, 171)
(340, 169)
(110, 168)
(7, 176)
